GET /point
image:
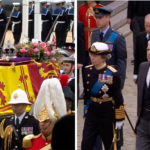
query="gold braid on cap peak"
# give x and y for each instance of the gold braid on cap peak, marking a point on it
(6, 135)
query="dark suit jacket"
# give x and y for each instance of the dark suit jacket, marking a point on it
(119, 52)
(141, 50)
(132, 8)
(80, 43)
(143, 69)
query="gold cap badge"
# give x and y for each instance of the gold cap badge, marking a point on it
(15, 96)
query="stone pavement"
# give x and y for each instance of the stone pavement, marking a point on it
(130, 97)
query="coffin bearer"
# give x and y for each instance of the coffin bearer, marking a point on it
(46, 20)
(49, 107)
(31, 20)
(61, 25)
(16, 19)
(17, 126)
(3, 21)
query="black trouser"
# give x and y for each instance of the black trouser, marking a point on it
(60, 38)
(143, 135)
(17, 33)
(31, 30)
(137, 27)
(2, 30)
(45, 30)
(98, 124)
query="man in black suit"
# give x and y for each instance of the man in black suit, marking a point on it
(136, 12)
(143, 105)
(80, 48)
(141, 46)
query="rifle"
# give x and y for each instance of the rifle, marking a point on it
(49, 33)
(6, 27)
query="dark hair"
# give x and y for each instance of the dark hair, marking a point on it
(63, 134)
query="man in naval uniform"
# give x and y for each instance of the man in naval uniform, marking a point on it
(3, 22)
(61, 25)
(68, 68)
(116, 43)
(69, 97)
(16, 19)
(17, 126)
(46, 21)
(48, 111)
(31, 21)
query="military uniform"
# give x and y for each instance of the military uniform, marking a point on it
(31, 24)
(60, 27)
(71, 19)
(49, 109)
(46, 23)
(103, 104)
(16, 19)
(38, 142)
(29, 125)
(3, 21)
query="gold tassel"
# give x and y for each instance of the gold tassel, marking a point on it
(2, 128)
(38, 64)
(27, 141)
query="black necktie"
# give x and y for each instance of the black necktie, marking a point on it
(17, 122)
(101, 36)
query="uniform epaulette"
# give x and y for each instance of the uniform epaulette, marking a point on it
(88, 66)
(111, 69)
(27, 140)
(116, 32)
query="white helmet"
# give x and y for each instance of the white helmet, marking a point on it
(19, 97)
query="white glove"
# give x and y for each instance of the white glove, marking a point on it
(119, 124)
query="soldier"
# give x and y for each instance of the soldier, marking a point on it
(61, 25)
(3, 21)
(31, 21)
(69, 97)
(68, 68)
(46, 21)
(16, 23)
(49, 7)
(17, 126)
(63, 6)
(49, 107)
(86, 15)
(103, 99)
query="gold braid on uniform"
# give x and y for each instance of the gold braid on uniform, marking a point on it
(6, 135)
(120, 113)
(90, 10)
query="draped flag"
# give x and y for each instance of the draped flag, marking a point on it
(29, 76)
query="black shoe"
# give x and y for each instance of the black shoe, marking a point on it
(82, 96)
(132, 61)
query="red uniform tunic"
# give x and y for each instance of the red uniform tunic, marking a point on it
(39, 143)
(86, 15)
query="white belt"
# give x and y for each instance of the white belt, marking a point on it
(30, 20)
(13, 25)
(57, 23)
(45, 21)
(1, 20)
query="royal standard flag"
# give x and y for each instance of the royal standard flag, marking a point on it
(29, 76)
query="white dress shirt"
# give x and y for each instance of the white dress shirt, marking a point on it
(148, 78)
(20, 118)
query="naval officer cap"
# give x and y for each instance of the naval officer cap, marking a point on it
(30, 1)
(99, 48)
(102, 11)
(16, 4)
(43, 1)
